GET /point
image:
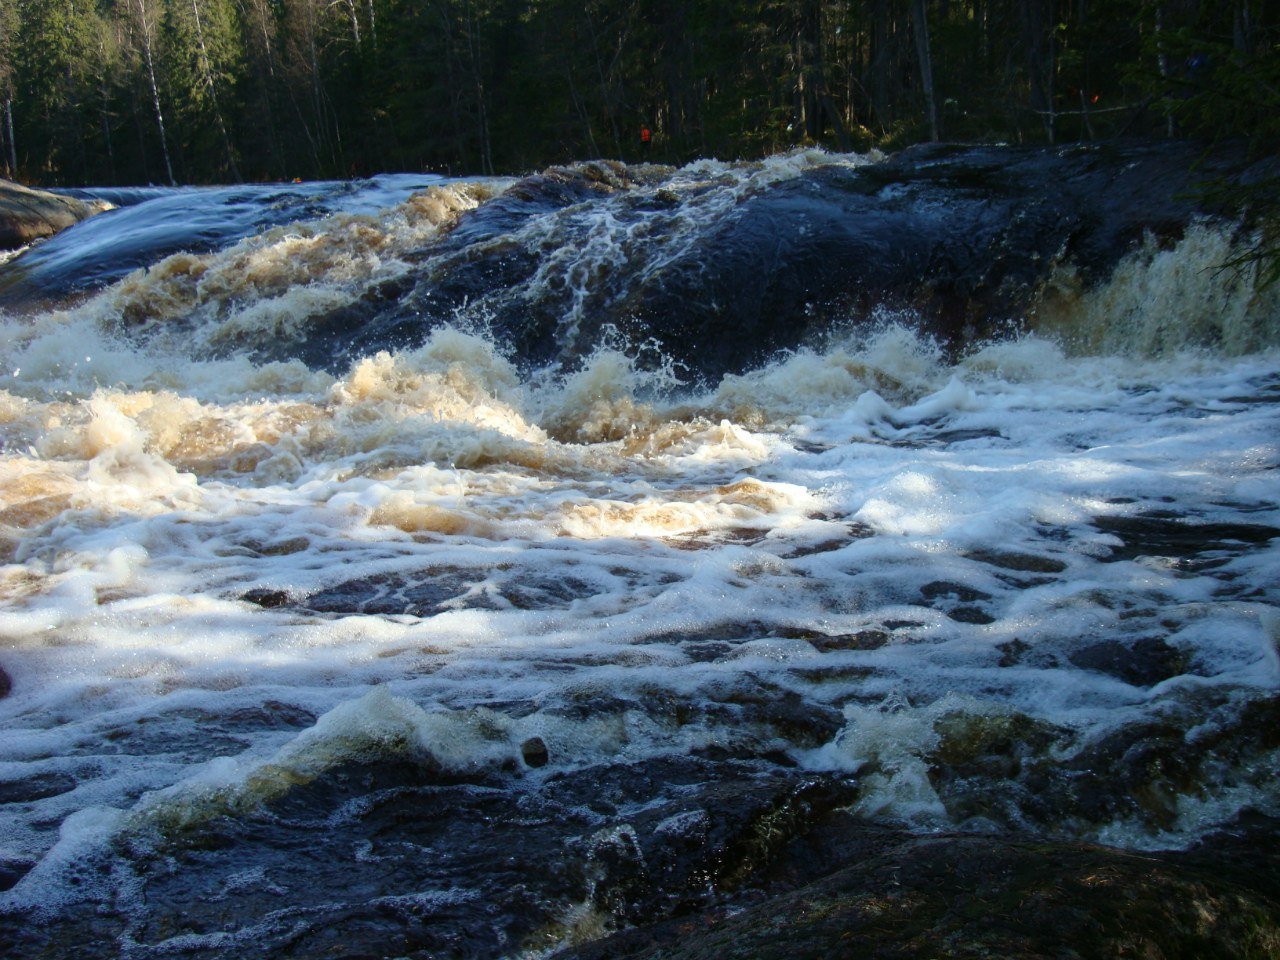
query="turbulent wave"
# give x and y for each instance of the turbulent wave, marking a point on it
(1017, 584)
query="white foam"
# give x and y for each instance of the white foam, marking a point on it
(499, 556)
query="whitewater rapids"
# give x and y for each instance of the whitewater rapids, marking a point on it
(976, 584)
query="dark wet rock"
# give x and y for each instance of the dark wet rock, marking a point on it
(1267, 391)
(729, 632)
(918, 439)
(966, 236)
(980, 764)
(957, 601)
(1138, 774)
(1022, 562)
(800, 722)
(758, 711)
(945, 588)
(429, 592)
(855, 531)
(1169, 534)
(707, 652)
(13, 869)
(271, 714)
(901, 624)
(384, 595)
(670, 855)
(27, 215)
(861, 640)
(896, 897)
(394, 857)
(968, 614)
(1011, 652)
(1143, 662)
(35, 787)
(720, 857)
(534, 752)
(948, 437)
(835, 673)
(6, 684)
(201, 733)
(265, 598)
(545, 592)
(812, 549)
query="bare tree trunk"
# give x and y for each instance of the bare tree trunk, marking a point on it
(1241, 28)
(137, 111)
(258, 19)
(106, 126)
(12, 158)
(353, 18)
(921, 25)
(373, 30)
(680, 107)
(147, 28)
(811, 56)
(331, 145)
(982, 14)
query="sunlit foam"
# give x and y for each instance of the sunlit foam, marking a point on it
(604, 557)
(1159, 301)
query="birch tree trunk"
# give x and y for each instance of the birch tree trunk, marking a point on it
(147, 28)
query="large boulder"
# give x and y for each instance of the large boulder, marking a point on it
(27, 215)
(722, 271)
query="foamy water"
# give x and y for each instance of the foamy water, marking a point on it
(969, 579)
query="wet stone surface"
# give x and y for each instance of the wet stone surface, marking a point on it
(984, 225)
(1174, 536)
(391, 858)
(394, 856)
(846, 889)
(1142, 662)
(432, 592)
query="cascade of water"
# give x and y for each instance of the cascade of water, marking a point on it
(462, 626)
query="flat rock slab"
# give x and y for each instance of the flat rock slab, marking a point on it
(27, 215)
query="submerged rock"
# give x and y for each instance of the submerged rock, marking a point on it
(1142, 661)
(27, 215)
(534, 752)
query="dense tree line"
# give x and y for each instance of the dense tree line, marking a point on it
(118, 91)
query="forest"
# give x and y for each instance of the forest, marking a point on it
(205, 91)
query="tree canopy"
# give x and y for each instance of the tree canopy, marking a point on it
(137, 91)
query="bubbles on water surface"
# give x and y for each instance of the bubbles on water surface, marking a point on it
(246, 604)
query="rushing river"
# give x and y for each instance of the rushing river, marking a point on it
(429, 636)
